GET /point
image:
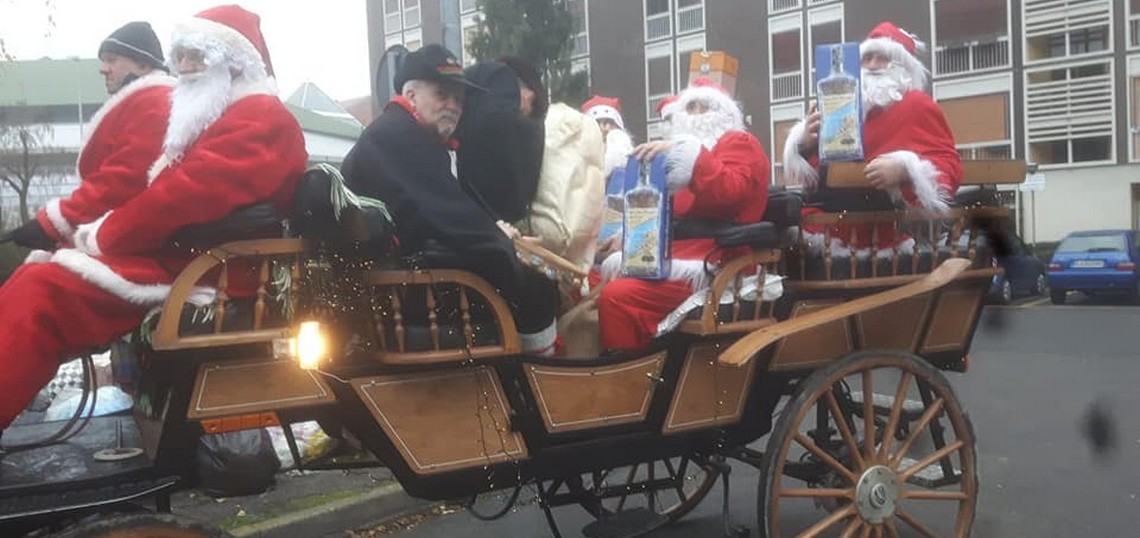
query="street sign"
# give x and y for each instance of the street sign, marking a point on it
(1033, 183)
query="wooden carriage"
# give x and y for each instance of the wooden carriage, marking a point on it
(423, 371)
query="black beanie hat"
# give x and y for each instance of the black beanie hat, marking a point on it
(135, 40)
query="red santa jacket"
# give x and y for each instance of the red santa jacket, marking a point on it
(913, 130)
(122, 139)
(729, 183)
(255, 152)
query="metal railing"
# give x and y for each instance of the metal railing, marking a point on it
(787, 85)
(972, 56)
(691, 19)
(658, 26)
(783, 5)
(581, 45)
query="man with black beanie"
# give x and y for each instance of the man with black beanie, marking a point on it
(121, 140)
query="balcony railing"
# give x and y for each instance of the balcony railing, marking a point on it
(775, 6)
(581, 45)
(657, 27)
(1134, 31)
(467, 5)
(972, 56)
(986, 151)
(412, 16)
(691, 19)
(1064, 109)
(787, 85)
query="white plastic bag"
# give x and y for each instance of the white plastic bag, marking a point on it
(108, 400)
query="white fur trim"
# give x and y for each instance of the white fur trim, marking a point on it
(924, 178)
(797, 169)
(96, 272)
(540, 343)
(618, 147)
(149, 80)
(714, 99)
(840, 248)
(86, 237)
(244, 87)
(221, 41)
(898, 54)
(681, 160)
(692, 271)
(157, 167)
(598, 112)
(38, 256)
(55, 216)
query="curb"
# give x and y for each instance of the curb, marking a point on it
(268, 527)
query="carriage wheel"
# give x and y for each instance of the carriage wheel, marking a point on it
(141, 526)
(671, 487)
(899, 464)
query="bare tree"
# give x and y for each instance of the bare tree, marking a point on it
(24, 157)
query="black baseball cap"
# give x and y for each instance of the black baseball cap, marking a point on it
(432, 63)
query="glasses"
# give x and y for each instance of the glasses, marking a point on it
(191, 55)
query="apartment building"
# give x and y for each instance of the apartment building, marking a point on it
(1054, 82)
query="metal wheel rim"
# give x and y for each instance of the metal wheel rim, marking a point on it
(853, 523)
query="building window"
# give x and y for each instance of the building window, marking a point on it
(581, 45)
(658, 20)
(658, 80)
(686, 47)
(690, 16)
(825, 27)
(470, 26)
(1134, 107)
(777, 6)
(1069, 114)
(1063, 28)
(393, 20)
(980, 124)
(466, 6)
(1133, 23)
(970, 35)
(411, 13)
(787, 65)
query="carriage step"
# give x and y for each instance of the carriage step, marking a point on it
(71, 499)
(627, 524)
(883, 403)
(931, 477)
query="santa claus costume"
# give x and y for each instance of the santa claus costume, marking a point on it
(120, 142)
(617, 142)
(230, 143)
(717, 171)
(901, 124)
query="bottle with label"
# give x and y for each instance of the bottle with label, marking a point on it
(840, 132)
(643, 232)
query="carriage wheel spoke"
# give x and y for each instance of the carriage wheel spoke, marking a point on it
(923, 422)
(844, 430)
(651, 492)
(930, 495)
(866, 532)
(915, 524)
(896, 414)
(852, 528)
(828, 522)
(931, 460)
(628, 481)
(868, 415)
(877, 531)
(678, 479)
(830, 493)
(825, 457)
(892, 531)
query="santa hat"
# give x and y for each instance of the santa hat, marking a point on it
(599, 107)
(712, 95)
(227, 33)
(901, 47)
(665, 107)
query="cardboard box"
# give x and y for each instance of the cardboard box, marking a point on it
(718, 66)
(646, 245)
(840, 101)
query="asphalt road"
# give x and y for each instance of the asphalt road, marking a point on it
(1036, 369)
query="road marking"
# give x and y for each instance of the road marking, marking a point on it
(1031, 304)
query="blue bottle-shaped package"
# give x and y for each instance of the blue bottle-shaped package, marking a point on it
(839, 93)
(645, 241)
(614, 206)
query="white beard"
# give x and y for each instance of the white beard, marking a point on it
(884, 87)
(707, 127)
(198, 100)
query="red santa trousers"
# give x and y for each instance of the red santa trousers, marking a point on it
(630, 309)
(48, 314)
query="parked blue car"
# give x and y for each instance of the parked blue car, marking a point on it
(1024, 271)
(1100, 261)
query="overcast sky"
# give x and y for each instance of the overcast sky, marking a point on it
(325, 42)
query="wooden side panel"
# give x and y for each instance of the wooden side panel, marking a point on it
(953, 318)
(708, 394)
(894, 326)
(816, 346)
(575, 398)
(254, 386)
(443, 421)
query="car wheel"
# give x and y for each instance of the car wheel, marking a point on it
(1058, 297)
(1006, 295)
(1042, 286)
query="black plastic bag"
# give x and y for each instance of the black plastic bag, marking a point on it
(236, 463)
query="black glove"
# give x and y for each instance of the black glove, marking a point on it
(32, 235)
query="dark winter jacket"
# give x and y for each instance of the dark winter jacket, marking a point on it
(407, 166)
(500, 151)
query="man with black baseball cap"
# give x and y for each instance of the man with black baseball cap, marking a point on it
(123, 138)
(406, 158)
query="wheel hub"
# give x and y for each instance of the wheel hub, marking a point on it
(876, 494)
